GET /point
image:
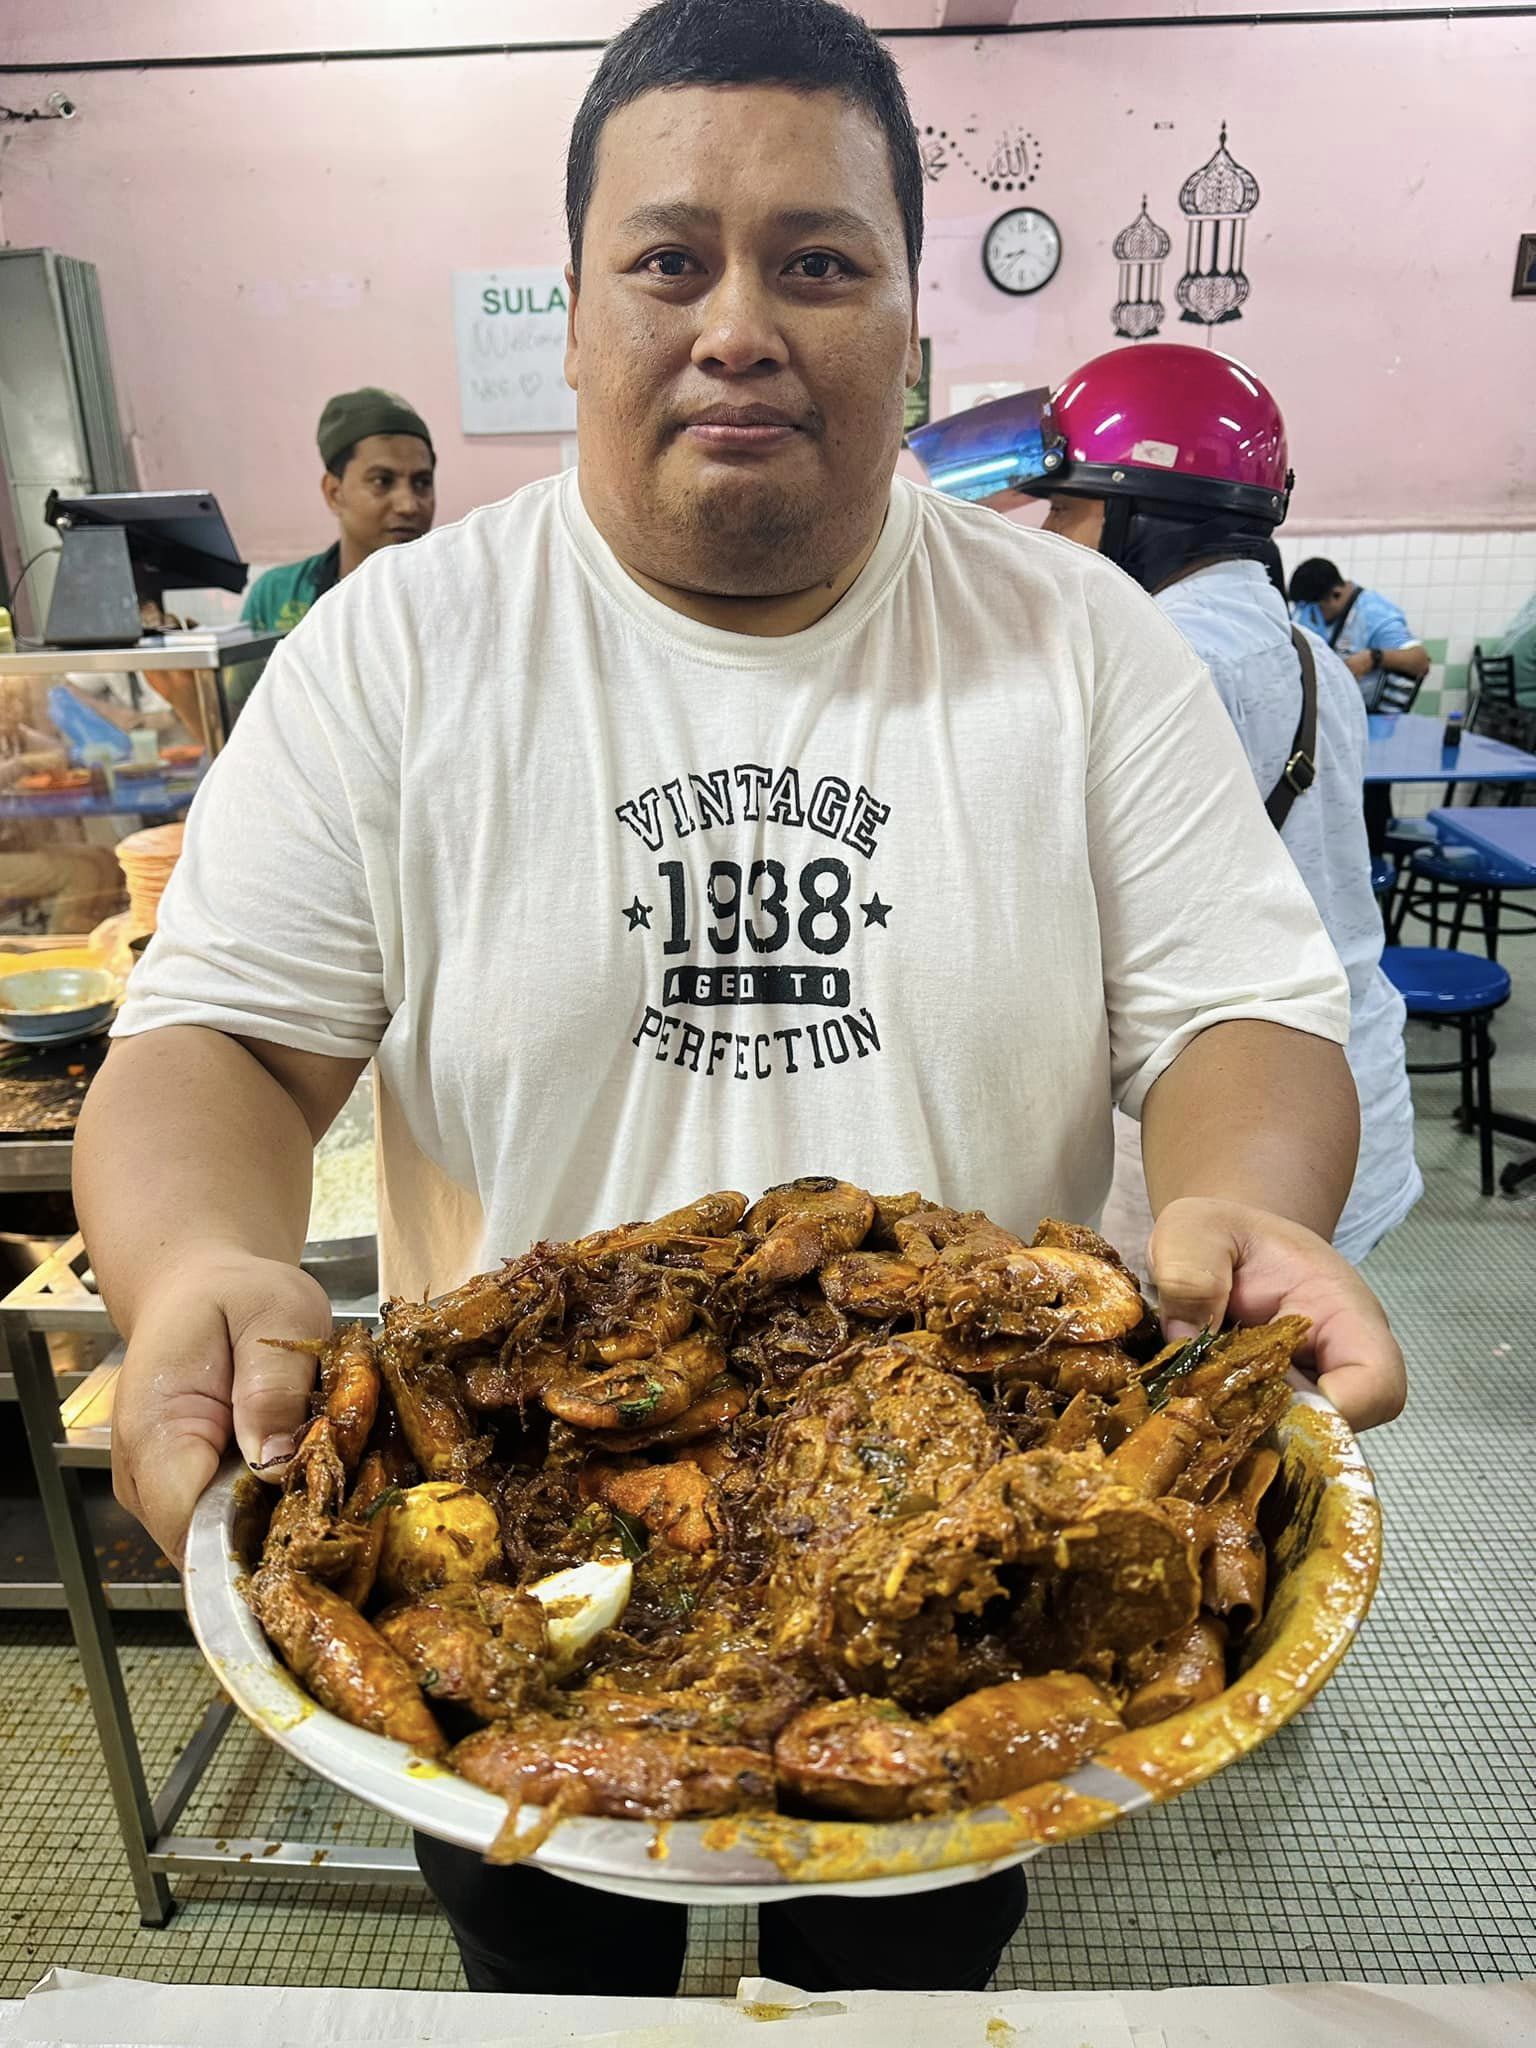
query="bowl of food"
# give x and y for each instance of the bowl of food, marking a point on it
(831, 1543)
(48, 1005)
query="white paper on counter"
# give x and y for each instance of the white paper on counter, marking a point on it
(72, 2009)
(82, 2010)
(904, 2020)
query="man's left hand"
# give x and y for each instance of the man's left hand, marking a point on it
(1212, 1259)
(1361, 664)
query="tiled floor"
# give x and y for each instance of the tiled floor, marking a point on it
(1387, 1834)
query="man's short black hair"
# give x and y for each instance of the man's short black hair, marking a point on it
(1313, 580)
(808, 45)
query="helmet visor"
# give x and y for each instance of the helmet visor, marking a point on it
(992, 452)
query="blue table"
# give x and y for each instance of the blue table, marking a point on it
(1508, 834)
(1404, 746)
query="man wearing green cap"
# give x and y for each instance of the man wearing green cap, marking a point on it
(379, 482)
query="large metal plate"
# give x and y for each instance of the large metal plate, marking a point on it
(1325, 1562)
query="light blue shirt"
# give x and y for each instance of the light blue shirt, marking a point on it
(1235, 620)
(1374, 622)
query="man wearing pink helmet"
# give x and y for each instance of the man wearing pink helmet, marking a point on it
(1172, 462)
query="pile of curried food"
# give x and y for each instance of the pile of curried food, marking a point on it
(836, 1503)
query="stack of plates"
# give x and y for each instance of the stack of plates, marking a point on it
(146, 859)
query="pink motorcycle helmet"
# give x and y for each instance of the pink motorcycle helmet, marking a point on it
(1182, 425)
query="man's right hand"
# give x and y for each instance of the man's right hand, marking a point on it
(198, 1368)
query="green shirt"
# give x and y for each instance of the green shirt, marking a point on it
(277, 601)
(1520, 641)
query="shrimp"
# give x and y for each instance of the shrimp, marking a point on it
(871, 1284)
(1178, 1672)
(709, 1216)
(342, 1659)
(349, 1385)
(867, 1758)
(431, 1410)
(715, 1410)
(641, 1393)
(796, 1228)
(1039, 1291)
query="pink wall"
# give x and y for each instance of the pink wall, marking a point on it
(268, 235)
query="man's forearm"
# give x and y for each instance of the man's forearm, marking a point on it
(1254, 1113)
(1404, 661)
(186, 1140)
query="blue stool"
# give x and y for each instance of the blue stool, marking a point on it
(1462, 989)
(1410, 835)
(1468, 876)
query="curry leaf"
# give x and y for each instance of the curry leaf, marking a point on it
(1159, 1388)
(631, 1534)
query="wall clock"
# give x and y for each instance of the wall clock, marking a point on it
(1021, 251)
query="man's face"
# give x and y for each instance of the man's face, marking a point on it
(1079, 519)
(1332, 603)
(743, 332)
(387, 493)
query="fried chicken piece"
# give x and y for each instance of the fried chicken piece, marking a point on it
(341, 1659)
(485, 1647)
(896, 1511)
(889, 1211)
(675, 1502)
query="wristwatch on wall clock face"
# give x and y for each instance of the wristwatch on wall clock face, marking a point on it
(1021, 250)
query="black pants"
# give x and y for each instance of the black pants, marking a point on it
(519, 1929)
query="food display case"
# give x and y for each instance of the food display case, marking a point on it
(94, 744)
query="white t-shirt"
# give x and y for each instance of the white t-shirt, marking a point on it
(1235, 620)
(630, 907)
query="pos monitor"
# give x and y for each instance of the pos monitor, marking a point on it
(129, 547)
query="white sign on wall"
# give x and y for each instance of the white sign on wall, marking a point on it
(509, 333)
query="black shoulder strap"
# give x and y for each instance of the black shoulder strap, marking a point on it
(1342, 620)
(1301, 769)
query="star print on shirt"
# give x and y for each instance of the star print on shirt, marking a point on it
(875, 912)
(638, 913)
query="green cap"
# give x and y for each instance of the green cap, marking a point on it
(352, 415)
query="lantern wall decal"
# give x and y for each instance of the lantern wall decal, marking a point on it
(1216, 200)
(1139, 250)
